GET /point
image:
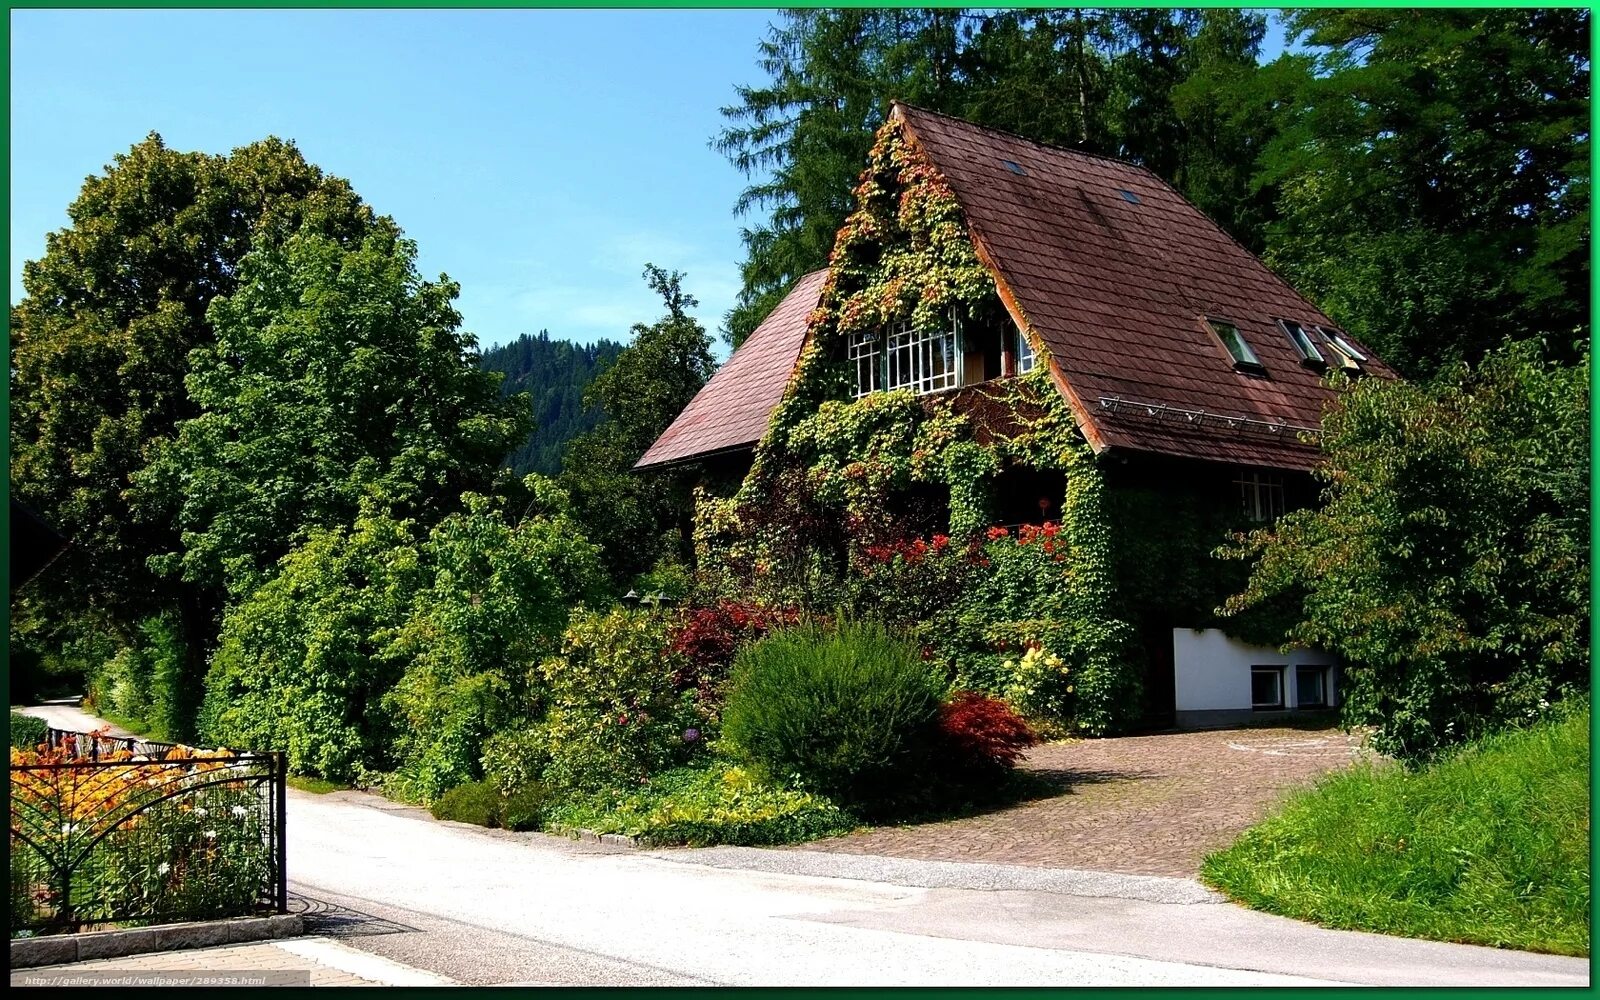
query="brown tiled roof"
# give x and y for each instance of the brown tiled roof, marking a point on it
(731, 411)
(1116, 289)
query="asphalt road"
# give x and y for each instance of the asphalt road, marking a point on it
(487, 907)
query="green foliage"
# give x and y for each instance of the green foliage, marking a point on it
(515, 757)
(298, 426)
(100, 349)
(615, 713)
(637, 518)
(1449, 562)
(299, 665)
(1490, 845)
(1101, 80)
(847, 711)
(719, 804)
(555, 374)
(27, 732)
(1433, 176)
(481, 803)
(497, 602)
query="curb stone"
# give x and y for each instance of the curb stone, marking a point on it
(609, 839)
(61, 949)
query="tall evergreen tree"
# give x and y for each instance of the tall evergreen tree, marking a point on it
(555, 374)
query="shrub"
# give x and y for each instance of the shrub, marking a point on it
(27, 732)
(481, 803)
(982, 735)
(1448, 564)
(698, 808)
(1488, 845)
(707, 639)
(848, 712)
(515, 758)
(616, 714)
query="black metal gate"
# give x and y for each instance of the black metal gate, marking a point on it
(124, 832)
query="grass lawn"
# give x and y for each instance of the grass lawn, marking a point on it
(316, 786)
(1489, 846)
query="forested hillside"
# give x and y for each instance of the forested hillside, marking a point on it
(554, 374)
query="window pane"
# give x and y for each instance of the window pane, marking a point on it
(1025, 356)
(1301, 340)
(1266, 685)
(1309, 692)
(1234, 341)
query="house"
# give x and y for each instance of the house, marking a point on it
(1195, 375)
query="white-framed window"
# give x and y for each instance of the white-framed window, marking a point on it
(923, 360)
(866, 356)
(1311, 687)
(1266, 687)
(1260, 494)
(1309, 355)
(1026, 359)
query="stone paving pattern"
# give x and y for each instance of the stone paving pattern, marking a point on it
(259, 957)
(1147, 805)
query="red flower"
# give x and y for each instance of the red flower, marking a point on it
(996, 533)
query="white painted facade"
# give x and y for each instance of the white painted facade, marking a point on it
(1215, 678)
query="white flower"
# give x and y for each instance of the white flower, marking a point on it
(163, 868)
(211, 835)
(200, 810)
(240, 811)
(69, 827)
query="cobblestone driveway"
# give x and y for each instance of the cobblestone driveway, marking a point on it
(1150, 805)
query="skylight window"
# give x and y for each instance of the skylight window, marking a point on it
(1244, 359)
(1349, 358)
(1128, 196)
(1015, 168)
(1309, 355)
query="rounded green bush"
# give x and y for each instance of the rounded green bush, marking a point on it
(481, 803)
(848, 711)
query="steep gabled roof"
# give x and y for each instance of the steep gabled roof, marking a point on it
(731, 411)
(1114, 271)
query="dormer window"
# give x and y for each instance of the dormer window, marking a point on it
(1244, 359)
(1349, 358)
(1309, 355)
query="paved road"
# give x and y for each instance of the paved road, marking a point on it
(483, 907)
(489, 907)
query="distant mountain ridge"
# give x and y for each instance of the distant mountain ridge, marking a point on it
(555, 373)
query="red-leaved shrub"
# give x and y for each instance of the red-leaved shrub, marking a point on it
(708, 638)
(983, 733)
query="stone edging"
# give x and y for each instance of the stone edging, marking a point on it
(611, 839)
(58, 949)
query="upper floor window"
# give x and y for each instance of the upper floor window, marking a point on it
(866, 356)
(1260, 494)
(1309, 355)
(1026, 359)
(921, 360)
(1349, 358)
(1244, 359)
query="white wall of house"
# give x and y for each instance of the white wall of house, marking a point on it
(1214, 678)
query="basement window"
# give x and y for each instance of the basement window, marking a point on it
(1244, 359)
(1266, 688)
(1309, 355)
(1311, 687)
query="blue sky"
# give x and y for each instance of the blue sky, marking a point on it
(539, 157)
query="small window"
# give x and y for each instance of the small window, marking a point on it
(1349, 358)
(1260, 494)
(1311, 687)
(1015, 168)
(1244, 359)
(923, 360)
(1026, 359)
(1309, 355)
(866, 356)
(1266, 687)
(1129, 196)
